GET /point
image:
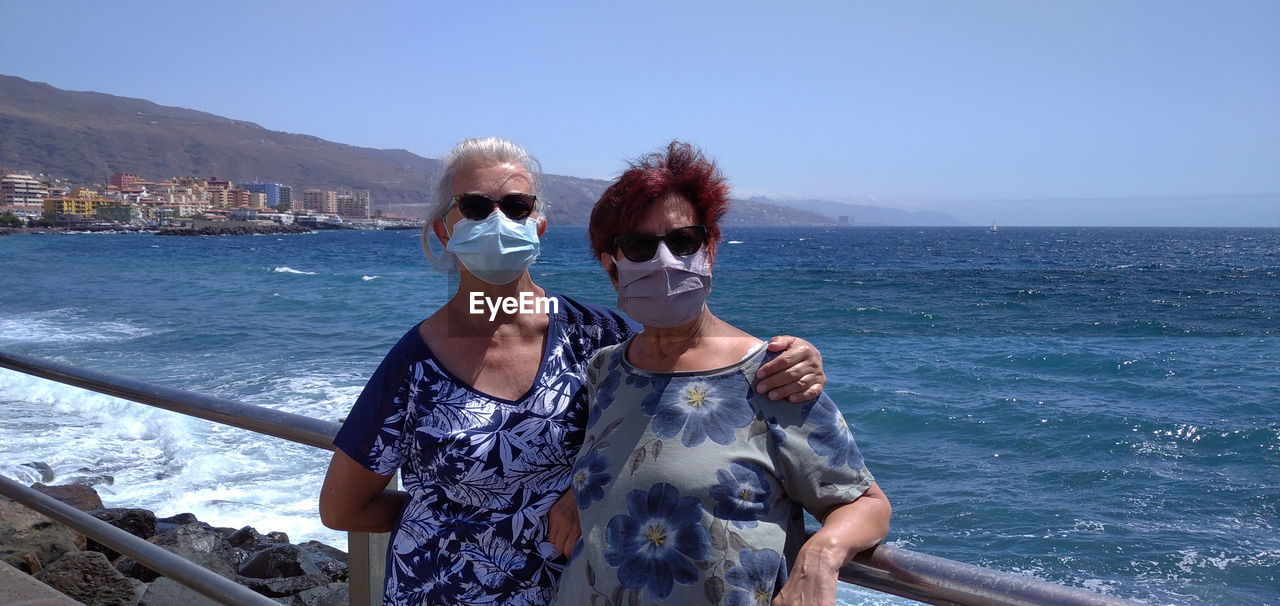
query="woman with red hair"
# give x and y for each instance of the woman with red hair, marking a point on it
(689, 484)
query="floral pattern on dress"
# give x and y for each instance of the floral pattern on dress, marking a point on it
(743, 494)
(590, 476)
(658, 540)
(744, 465)
(754, 577)
(831, 437)
(481, 472)
(701, 410)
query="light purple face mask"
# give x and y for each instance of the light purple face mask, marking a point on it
(666, 290)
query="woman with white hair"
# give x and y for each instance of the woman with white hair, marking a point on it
(483, 413)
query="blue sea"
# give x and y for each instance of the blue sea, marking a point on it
(1094, 407)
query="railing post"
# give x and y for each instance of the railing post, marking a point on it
(366, 567)
(367, 562)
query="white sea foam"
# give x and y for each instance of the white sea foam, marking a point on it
(367, 278)
(139, 456)
(734, 242)
(64, 326)
(290, 270)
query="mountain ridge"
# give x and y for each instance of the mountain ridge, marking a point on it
(85, 136)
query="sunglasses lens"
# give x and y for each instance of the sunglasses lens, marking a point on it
(638, 247)
(477, 207)
(685, 241)
(517, 207)
(474, 206)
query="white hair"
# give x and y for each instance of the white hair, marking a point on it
(485, 151)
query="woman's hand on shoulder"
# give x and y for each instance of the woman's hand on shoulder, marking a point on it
(796, 374)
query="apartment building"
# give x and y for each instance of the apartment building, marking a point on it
(71, 205)
(286, 198)
(353, 205)
(270, 189)
(320, 200)
(21, 191)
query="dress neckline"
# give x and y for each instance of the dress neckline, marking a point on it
(552, 322)
(750, 356)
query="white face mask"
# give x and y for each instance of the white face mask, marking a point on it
(497, 249)
(666, 290)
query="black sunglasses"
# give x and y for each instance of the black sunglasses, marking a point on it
(476, 207)
(681, 242)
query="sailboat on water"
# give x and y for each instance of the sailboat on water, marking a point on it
(993, 227)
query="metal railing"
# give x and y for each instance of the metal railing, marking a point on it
(901, 572)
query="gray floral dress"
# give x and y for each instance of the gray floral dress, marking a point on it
(690, 486)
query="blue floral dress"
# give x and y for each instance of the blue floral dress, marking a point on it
(690, 486)
(480, 471)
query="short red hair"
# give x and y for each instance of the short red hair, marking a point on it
(681, 170)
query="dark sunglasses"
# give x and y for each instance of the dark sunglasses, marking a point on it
(476, 207)
(681, 242)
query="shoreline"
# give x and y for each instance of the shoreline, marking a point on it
(230, 230)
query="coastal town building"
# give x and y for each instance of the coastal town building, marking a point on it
(22, 191)
(26, 213)
(124, 181)
(286, 198)
(352, 205)
(131, 199)
(228, 198)
(270, 188)
(71, 205)
(219, 198)
(118, 211)
(320, 200)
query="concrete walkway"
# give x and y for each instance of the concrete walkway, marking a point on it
(17, 588)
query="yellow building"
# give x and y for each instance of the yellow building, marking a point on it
(85, 207)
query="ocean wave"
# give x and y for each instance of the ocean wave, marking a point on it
(66, 325)
(367, 278)
(289, 270)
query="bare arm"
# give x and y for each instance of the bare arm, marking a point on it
(354, 498)
(562, 521)
(796, 374)
(846, 530)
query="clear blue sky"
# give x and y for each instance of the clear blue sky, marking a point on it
(858, 101)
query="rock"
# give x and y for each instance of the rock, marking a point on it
(88, 576)
(168, 592)
(246, 538)
(46, 472)
(197, 542)
(100, 479)
(282, 587)
(277, 537)
(30, 541)
(179, 520)
(171, 522)
(233, 230)
(333, 594)
(331, 561)
(140, 523)
(279, 561)
(80, 496)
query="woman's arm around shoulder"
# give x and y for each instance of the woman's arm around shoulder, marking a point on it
(356, 499)
(796, 374)
(846, 530)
